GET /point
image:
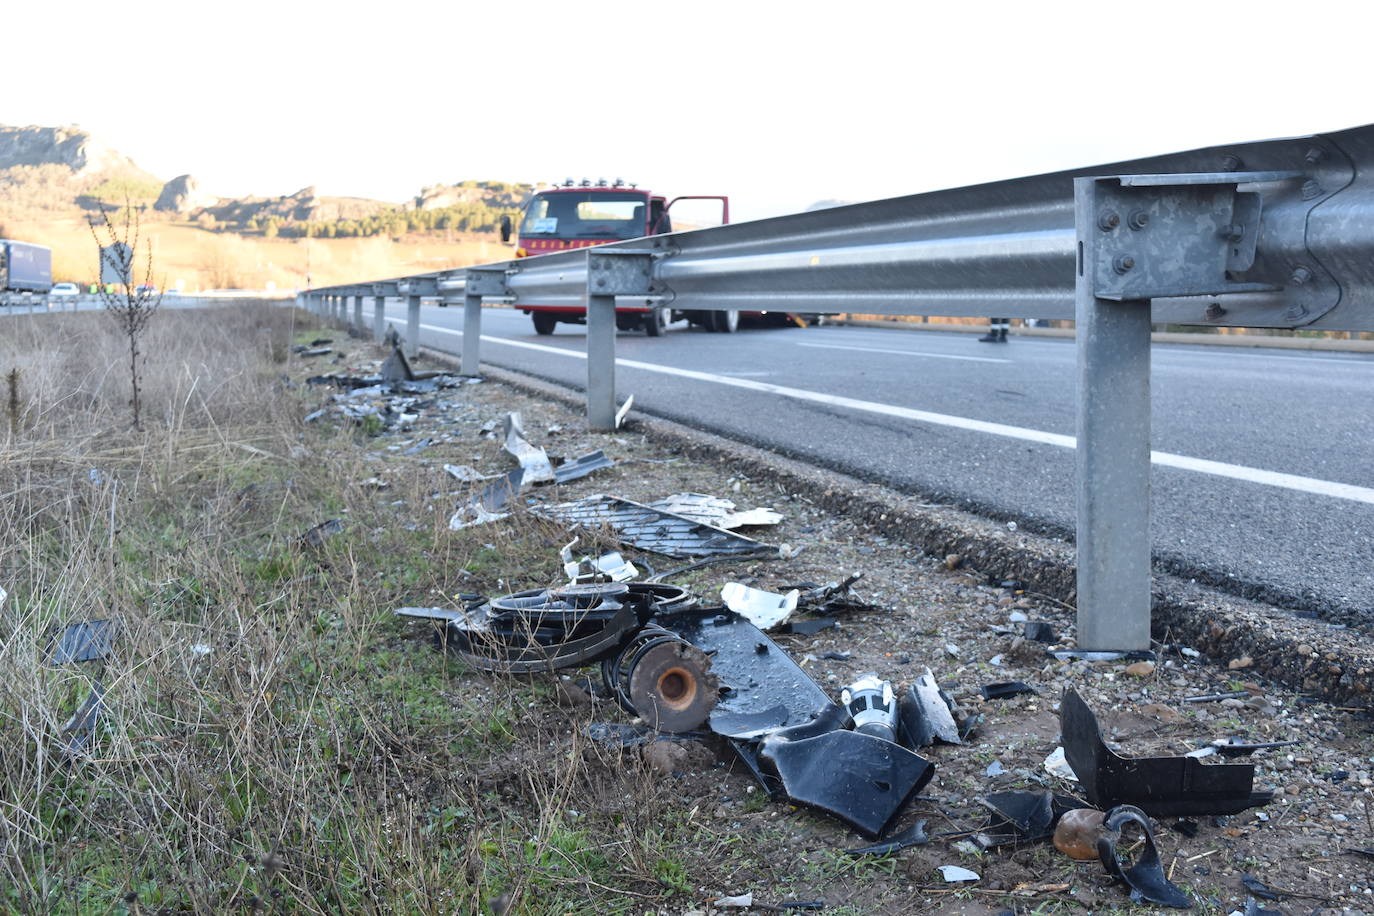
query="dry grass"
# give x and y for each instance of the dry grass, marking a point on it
(270, 740)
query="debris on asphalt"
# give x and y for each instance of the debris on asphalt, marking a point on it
(1161, 786)
(1077, 831)
(764, 610)
(1146, 877)
(915, 835)
(83, 642)
(714, 511)
(652, 529)
(577, 468)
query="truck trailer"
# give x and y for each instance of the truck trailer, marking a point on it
(24, 268)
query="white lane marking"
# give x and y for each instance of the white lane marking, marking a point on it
(1166, 459)
(972, 359)
(1352, 360)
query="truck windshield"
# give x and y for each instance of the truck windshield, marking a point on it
(586, 215)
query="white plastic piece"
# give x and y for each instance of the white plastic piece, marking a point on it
(763, 609)
(956, 873)
(1056, 764)
(742, 902)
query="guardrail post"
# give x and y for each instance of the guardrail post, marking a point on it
(609, 273)
(378, 317)
(412, 326)
(358, 311)
(472, 334)
(1113, 529)
(601, 362)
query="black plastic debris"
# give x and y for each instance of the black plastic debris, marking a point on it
(1161, 786)
(831, 598)
(83, 642)
(577, 468)
(652, 529)
(303, 350)
(315, 537)
(1001, 690)
(1186, 827)
(1146, 877)
(1023, 817)
(915, 835)
(835, 656)
(1039, 631)
(857, 778)
(1260, 889)
(926, 714)
(1252, 908)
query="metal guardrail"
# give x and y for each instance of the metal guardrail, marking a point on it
(1271, 234)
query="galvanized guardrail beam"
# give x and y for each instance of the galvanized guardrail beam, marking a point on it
(1273, 234)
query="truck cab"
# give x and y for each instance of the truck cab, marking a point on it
(580, 215)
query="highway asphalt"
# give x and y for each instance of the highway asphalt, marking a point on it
(1280, 506)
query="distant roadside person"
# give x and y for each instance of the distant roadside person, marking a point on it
(997, 331)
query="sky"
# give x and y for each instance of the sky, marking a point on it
(777, 104)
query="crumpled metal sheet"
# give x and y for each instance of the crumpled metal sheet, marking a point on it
(533, 459)
(925, 715)
(587, 568)
(84, 642)
(487, 505)
(577, 468)
(81, 727)
(651, 529)
(1161, 786)
(712, 510)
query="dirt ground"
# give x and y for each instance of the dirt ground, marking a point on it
(728, 839)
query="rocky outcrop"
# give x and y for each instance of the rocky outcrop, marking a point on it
(66, 146)
(182, 195)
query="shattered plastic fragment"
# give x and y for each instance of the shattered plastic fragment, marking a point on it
(1057, 765)
(915, 835)
(809, 627)
(1146, 877)
(609, 565)
(624, 411)
(742, 901)
(652, 529)
(486, 505)
(466, 474)
(534, 460)
(82, 725)
(764, 610)
(1001, 690)
(1019, 816)
(712, 510)
(956, 873)
(1234, 747)
(316, 536)
(1162, 786)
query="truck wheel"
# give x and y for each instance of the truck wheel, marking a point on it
(544, 323)
(656, 321)
(726, 322)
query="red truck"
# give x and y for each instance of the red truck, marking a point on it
(579, 215)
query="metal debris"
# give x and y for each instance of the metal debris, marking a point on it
(396, 368)
(1161, 786)
(1146, 877)
(764, 610)
(466, 474)
(607, 567)
(83, 642)
(652, 529)
(577, 468)
(533, 459)
(322, 532)
(926, 714)
(714, 511)
(1039, 631)
(1234, 747)
(486, 505)
(624, 411)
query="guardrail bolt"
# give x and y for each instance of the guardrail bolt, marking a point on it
(1314, 155)
(1138, 219)
(1123, 263)
(1231, 163)
(601, 281)
(1300, 276)
(1295, 313)
(1108, 221)
(1311, 189)
(1215, 311)
(1233, 232)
